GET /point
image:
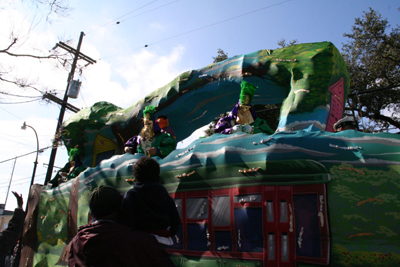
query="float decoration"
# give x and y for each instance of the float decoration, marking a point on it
(302, 172)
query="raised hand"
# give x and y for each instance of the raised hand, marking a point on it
(19, 199)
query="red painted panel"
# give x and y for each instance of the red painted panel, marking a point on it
(336, 111)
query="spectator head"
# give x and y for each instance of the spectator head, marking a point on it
(146, 169)
(105, 202)
(346, 123)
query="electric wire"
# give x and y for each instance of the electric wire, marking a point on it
(44, 130)
(21, 179)
(149, 11)
(200, 28)
(4, 93)
(11, 113)
(40, 150)
(16, 180)
(219, 22)
(23, 183)
(15, 141)
(80, 93)
(114, 20)
(23, 102)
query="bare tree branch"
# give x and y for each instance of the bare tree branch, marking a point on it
(20, 84)
(12, 43)
(31, 56)
(379, 116)
(9, 69)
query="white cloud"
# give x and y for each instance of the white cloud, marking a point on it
(98, 86)
(136, 76)
(146, 71)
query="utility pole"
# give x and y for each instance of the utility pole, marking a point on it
(8, 190)
(60, 102)
(78, 55)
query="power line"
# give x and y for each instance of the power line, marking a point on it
(148, 11)
(1, 103)
(14, 141)
(219, 22)
(20, 183)
(22, 179)
(203, 27)
(11, 113)
(114, 20)
(4, 93)
(49, 134)
(80, 93)
(40, 150)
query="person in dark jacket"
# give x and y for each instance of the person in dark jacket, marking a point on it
(9, 237)
(148, 206)
(109, 243)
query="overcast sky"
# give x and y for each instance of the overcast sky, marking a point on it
(180, 35)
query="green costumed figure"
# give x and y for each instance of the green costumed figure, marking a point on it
(71, 170)
(151, 141)
(243, 117)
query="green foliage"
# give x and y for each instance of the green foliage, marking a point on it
(372, 56)
(282, 42)
(221, 56)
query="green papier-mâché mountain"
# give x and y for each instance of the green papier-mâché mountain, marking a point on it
(311, 80)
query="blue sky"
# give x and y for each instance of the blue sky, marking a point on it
(181, 35)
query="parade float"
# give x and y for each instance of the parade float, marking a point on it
(302, 196)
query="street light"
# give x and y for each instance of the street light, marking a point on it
(23, 127)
